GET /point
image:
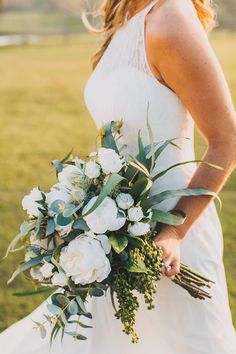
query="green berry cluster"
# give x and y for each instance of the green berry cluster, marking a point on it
(125, 282)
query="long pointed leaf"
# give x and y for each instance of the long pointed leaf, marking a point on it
(158, 198)
(167, 218)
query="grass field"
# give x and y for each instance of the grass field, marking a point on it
(42, 115)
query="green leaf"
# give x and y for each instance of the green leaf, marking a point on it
(42, 331)
(140, 167)
(96, 292)
(162, 173)
(135, 264)
(81, 304)
(186, 192)
(118, 242)
(139, 187)
(81, 324)
(53, 309)
(112, 182)
(31, 263)
(57, 165)
(151, 140)
(167, 218)
(58, 206)
(80, 224)
(67, 157)
(25, 228)
(50, 227)
(63, 221)
(135, 241)
(108, 140)
(62, 300)
(73, 307)
(141, 157)
(34, 292)
(70, 209)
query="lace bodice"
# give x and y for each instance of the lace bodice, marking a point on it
(123, 85)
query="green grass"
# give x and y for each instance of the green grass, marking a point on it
(43, 115)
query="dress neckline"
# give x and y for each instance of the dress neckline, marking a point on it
(150, 4)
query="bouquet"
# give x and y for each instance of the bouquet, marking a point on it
(94, 232)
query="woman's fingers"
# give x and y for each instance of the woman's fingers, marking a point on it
(173, 269)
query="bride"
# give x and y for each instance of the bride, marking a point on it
(158, 52)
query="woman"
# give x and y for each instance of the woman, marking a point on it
(157, 52)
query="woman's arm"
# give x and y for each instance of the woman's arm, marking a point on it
(180, 53)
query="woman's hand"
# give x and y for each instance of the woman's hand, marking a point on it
(169, 241)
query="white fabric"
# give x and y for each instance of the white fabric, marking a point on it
(120, 87)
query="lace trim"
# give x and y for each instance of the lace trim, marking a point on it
(127, 47)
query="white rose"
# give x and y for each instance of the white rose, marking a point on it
(46, 270)
(135, 214)
(36, 273)
(105, 217)
(84, 260)
(109, 160)
(30, 204)
(59, 279)
(72, 177)
(92, 169)
(138, 229)
(124, 200)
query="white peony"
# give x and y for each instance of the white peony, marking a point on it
(92, 169)
(138, 229)
(124, 200)
(109, 160)
(105, 217)
(36, 273)
(84, 260)
(30, 204)
(72, 177)
(47, 270)
(59, 279)
(135, 214)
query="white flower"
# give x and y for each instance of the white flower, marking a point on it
(84, 260)
(46, 270)
(138, 229)
(36, 273)
(93, 154)
(109, 160)
(92, 169)
(78, 195)
(105, 217)
(135, 214)
(124, 200)
(58, 192)
(59, 279)
(30, 204)
(72, 177)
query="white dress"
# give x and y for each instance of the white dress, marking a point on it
(120, 87)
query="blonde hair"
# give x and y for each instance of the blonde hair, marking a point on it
(114, 12)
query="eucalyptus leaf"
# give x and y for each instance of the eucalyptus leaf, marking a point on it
(73, 307)
(63, 221)
(53, 309)
(81, 303)
(96, 292)
(58, 206)
(42, 331)
(80, 224)
(34, 292)
(50, 227)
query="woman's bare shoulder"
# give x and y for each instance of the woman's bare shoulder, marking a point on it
(173, 20)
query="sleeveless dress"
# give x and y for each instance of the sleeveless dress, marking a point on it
(120, 87)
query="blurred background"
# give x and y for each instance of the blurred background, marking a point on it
(44, 64)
